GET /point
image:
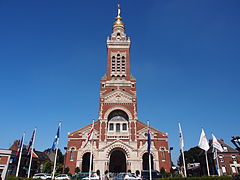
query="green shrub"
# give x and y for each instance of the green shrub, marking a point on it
(17, 178)
(199, 178)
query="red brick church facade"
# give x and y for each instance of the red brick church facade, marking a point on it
(120, 139)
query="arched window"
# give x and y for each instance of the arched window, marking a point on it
(113, 63)
(118, 127)
(117, 114)
(111, 127)
(72, 154)
(118, 121)
(123, 63)
(163, 156)
(124, 127)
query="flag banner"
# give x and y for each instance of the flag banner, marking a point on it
(56, 138)
(19, 147)
(20, 142)
(216, 144)
(34, 155)
(149, 140)
(180, 136)
(30, 142)
(214, 154)
(203, 142)
(90, 134)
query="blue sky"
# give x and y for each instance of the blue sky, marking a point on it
(184, 54)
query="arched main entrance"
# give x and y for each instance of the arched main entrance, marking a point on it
(86, 162)
(145, 161)
(117, 161)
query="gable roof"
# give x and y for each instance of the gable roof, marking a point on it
(228, 148)
(145, 126)
(85, 128)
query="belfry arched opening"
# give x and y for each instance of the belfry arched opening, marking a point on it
(117, 161)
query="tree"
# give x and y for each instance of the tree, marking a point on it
(162, 171)
(47, 167)
(106, 172)
(66, 170)
(77, 170)
(98, 172)
(51, 155)
(59, 168)
(191, 156)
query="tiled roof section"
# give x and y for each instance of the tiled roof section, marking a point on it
(228, 148)
(142, 125)
(96, 128)
(42, 156)
(14, 147)
(132, 78)
(104, 77)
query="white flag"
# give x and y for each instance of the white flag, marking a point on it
(90, 135)
(216, 144)
(203, 142)
(180, 136)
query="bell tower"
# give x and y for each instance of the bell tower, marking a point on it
(118, 46)
(118, 86)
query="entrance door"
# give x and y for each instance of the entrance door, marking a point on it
(145, 161)
(117, 161)
(86, 162)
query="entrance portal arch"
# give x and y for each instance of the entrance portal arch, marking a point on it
(86, 162)
(117, 161)
(145, 161)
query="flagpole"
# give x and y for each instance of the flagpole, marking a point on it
(217, 147)
(55, 160)
(182, 151)
(91, 152)
(149, 157)
(184, 165)
(204, 145)
(29, 168)
(20, 156)
(207, 163)
(218, 168)
(90, 166)
(56, 153)
(56, 150)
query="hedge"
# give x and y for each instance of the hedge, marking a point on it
(18, 178)
(170, 178)
(199, 178)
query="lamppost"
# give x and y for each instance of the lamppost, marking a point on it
(170, 150)
(64, 160)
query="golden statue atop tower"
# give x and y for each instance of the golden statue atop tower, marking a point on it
(118, 21)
